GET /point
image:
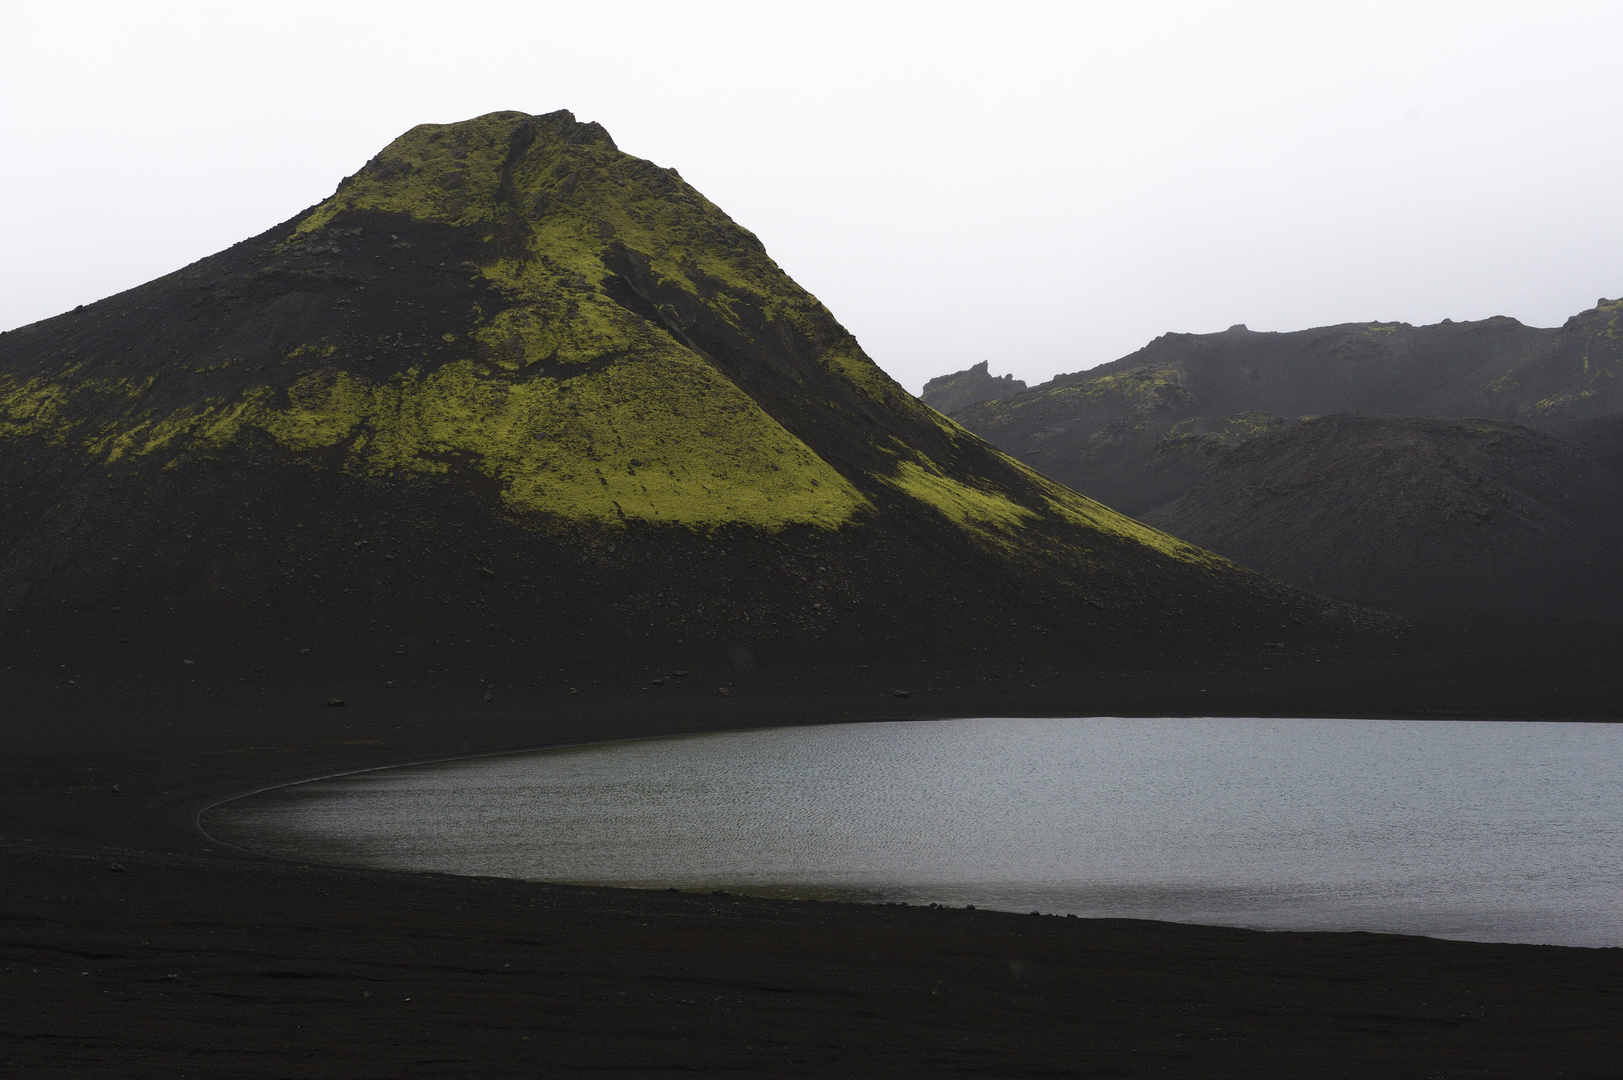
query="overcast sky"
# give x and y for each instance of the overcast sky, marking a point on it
(1046, 186)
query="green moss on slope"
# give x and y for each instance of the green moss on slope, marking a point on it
(553, 197)
(667, 442)
(575, 381)
(981, 510)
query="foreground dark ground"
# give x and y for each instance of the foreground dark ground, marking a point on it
(198, 961)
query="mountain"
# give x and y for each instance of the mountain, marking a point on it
(950, 393)
(1419, 512)
(1460, 465)
(1577, 374)
(514, 400)
(1140, 431)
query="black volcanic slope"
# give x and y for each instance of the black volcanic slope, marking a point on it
(512, 399)
(1416, 511)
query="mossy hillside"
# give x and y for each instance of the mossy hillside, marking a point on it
(990, 513)
(511, 386)
(511, 320)
(584, 400)
(667, 441)
(1577, 375)
(1213, 434)
(568, 448)
(653, 430)
(1099, 518)
(1144, 391)
(554, 198)
(1020, 512)
(576, 449)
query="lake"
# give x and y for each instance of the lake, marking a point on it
(1488, 831)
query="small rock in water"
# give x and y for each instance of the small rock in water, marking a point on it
(723, 691)
(117, 868)
(487, 697)
(336, 702)
(116, 788)
(899, 693)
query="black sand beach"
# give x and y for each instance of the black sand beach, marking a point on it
(136, 946)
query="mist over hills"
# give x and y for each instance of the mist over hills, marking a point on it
(512, 399)
(1304, 455)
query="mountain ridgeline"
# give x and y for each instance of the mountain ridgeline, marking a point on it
(513, 400)
(1460, 465)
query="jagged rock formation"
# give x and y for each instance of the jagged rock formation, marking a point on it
(973, 385)
(513, 400)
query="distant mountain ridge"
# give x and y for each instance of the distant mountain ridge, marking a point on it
(949, 393)
(1136, 432)
(1210, 436)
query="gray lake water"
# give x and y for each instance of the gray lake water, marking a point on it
(1488, 831)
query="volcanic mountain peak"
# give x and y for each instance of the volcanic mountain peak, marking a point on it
(505, 346)
(511, 290)
(515, 294)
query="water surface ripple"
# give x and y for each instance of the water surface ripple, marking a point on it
(1492, 831)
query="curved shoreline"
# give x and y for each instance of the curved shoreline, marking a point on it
(271, 960)
(197, 820)
(469, 830)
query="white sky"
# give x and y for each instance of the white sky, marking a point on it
(1043, 185)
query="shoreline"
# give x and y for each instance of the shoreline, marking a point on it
(1068, 902)
(210, 962)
